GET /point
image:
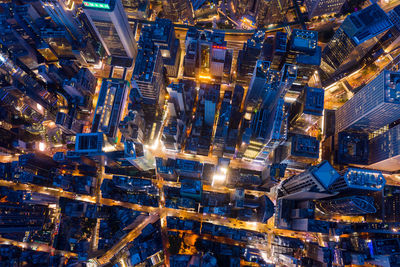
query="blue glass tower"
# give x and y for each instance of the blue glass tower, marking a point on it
(385, 150)
(352, 205)
(376, 105)
(111, 25)
(353, 40)
(355, 179)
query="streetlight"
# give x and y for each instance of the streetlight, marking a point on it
(39, 107)
(155, 145)
(42, 146)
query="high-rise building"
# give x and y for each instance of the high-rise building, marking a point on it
(90, 143)
(67, 123)
(110, 106)
(64, 13)
(385, 150)
(178, 10)
(190, 59)
(268, 130)
(317, 8)
(148, 78)
(308, 108)
(376, 105)
(271, 11)
(84, 82)
(357, 34)
(354, 179)
(207, 56)
(304, 52)
(210, 102)
(173, 134)
(279, 49)
(393, 39)
(148, 75)
(36, 100)
(162, 34)
(221, 132)
(133, 127)
(352, 205)
(311, 184)
(262, 74)
(21, 33)
(299, 151)
(177, 94)
(268, 127)
(69, 39)
(248, 56)
(109, 21)
(351, 148)
(137, 9)
(391, 204)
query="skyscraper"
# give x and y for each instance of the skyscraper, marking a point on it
(385, 150)
(148, 75)
(257, 91)
(353, 40)
(391, 204)
(36, 98)
(162, 34)
(109, 21)
(221, 131)
(352, 205)
(268, 126)
(321, 7)
(307, 110)
(176, 10)
(310, 183)
(210, 103)
(271, 11)
(60, 42)
(247, 57)
(304, 52)
(133, 127)
(110, 106)
(351, 148)
(267, 129)
(63, 13)
(354, 179)
(376, 105)
(137, 8)
(299, 151)
(176, 93)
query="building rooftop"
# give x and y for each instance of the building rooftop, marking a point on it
(159, 33)
(352, 148)
(262, 68)
(145, 64)
(280, 42)
(304, 41)
(313, 101)
(364, 179)
(392, 87)
(325, 173)
(105, 5)
(366, 23)
(305, 146)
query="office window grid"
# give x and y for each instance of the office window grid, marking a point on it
(367, 110)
